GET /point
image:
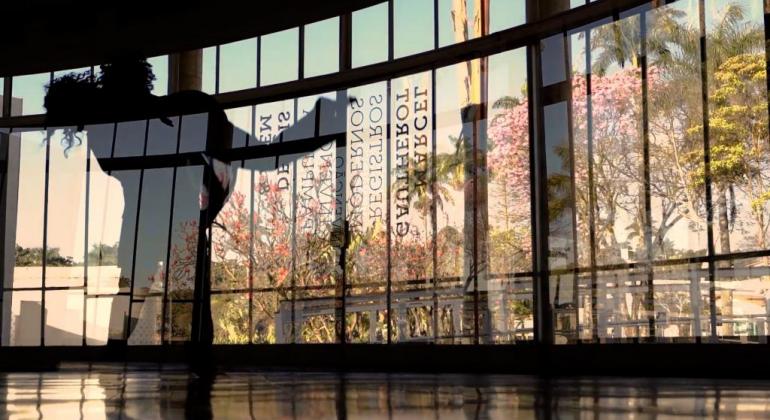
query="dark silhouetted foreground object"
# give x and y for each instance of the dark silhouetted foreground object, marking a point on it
(122, 92)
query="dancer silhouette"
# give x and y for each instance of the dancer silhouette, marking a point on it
(122, 92)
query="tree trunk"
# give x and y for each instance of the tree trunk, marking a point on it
(723, 220)
(471, 84)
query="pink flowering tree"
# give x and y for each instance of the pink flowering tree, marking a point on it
(510, 239)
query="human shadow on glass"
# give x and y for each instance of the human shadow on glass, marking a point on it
(121, 92)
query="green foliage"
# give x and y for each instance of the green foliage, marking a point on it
(509, 250)
(738, 120)
(102, 254)
(33, 257)
(230, 314)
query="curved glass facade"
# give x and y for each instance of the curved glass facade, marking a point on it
(416, 171)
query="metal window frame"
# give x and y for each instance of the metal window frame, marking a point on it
(527, 35)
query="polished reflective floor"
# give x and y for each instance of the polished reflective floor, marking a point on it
(151, 391)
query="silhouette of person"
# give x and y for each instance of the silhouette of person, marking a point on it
(122, 92)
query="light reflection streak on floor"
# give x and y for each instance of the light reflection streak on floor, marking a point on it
(147, 392)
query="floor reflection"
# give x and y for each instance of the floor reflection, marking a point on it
(146, 392)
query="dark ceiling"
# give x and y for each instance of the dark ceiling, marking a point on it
(42, 35)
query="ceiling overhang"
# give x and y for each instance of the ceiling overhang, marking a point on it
(43, 35)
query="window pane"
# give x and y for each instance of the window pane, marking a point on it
(322, 47)
(279, 57)
(621, 304)
(561, 234)
(504, 14)
(231, 237)
(129, 183)
(98, 320)
(608, 146)
(22, 327)
(366, 207)
(410, 221)
(316, 258)
(151, 240)
(319, 115)
(742, 298)
(509, 221)
(508, 157)
(412, 26)
(561, 239)
(230, 313)
(30, 91)
(27, 217)
(238, 65)
(66, 208)
(64, 317)
(271, 317)
(306, 126)
(106, 204)
(370, 35)
(179, 320)
(681, 301)
(150, 261)
(676, 146)
(454, 197)
(511, 309)
(271, 120)
(146, 321)
(274, 211)
(184, 232)
(162, 138)
(209, 71)
(242, 119)
(740, 153)
(194, 133)
(129, 139)
(160, 69)
(100, 139)
(458, 21)
(553, 60)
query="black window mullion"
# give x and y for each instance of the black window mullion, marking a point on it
(543, 311)
(136, 237)
(346, 42)
(7, 96)
(164, 304)
(391, 26)
(5, 156)
(433, 206)
(591, 187)
(707, 171)
(434, 187)
(45, 237)
(389, 270)
(566, 88)
(259, 63)
(648, 266)
(301, 53)
(217, 70)
(252, 210)
(767, 50)
(85, 246)
(436, 8)
(293, 218)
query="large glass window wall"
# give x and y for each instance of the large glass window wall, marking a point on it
(614, 176)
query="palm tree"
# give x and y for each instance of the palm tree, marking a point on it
(471, 83)
(674, 50)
